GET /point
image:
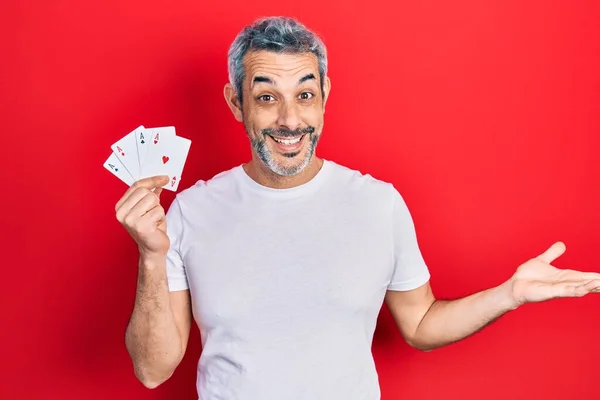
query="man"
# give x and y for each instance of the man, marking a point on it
(285, 261)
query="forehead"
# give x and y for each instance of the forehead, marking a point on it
(279, 66)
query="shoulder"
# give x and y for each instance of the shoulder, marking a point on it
(204, 189)
(358, 181)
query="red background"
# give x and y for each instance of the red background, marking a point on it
(485, 115)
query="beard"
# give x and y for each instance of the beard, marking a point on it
(260, 146)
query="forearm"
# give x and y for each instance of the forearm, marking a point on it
(448, 321)
(152, 338)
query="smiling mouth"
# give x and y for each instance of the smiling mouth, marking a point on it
(288, 144)
(287, 141)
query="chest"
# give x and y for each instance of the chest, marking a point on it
(266, 267)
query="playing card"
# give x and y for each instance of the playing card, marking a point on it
(126, 150)
(115, 166)
(167, 157)
(148, 137)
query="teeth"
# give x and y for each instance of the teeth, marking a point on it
(288, 142)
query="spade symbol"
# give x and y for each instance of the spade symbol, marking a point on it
(116, 169)
(143, 142)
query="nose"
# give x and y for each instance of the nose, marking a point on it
(288, 115)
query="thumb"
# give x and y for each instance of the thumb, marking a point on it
(555, 251)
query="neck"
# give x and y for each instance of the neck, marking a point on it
(264, 176)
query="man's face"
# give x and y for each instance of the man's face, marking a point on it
(282, 108)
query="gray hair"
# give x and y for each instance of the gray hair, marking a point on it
(276, 34)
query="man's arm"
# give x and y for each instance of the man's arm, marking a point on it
(427, 323)
(159, 328)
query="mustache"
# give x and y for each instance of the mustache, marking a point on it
(285, 132)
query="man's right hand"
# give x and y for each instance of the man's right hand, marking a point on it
(140, 212)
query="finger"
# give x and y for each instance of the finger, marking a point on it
(593, 286)
(151, 220)
(553, 252)
(154, 216)
(591, 275)
(572, 275)
(124, 211)
(570, 290)
(147, 203)
(148, 183)
(158, 192)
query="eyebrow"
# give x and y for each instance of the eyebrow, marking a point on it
(264, 79)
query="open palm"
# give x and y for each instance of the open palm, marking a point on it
(537, 280)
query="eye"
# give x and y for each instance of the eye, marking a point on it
(306, 95)
(265, 98)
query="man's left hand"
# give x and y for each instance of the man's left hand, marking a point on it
(537, 280)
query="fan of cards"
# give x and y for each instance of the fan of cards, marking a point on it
(146, 152)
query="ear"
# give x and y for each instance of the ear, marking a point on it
(233, 102)
(326, 90)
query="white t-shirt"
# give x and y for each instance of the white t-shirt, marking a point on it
(287, 284)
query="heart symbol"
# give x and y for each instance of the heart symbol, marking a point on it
(165, 159)
(155, 141)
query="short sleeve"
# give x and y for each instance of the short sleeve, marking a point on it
(176, 275)
(410, 269)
